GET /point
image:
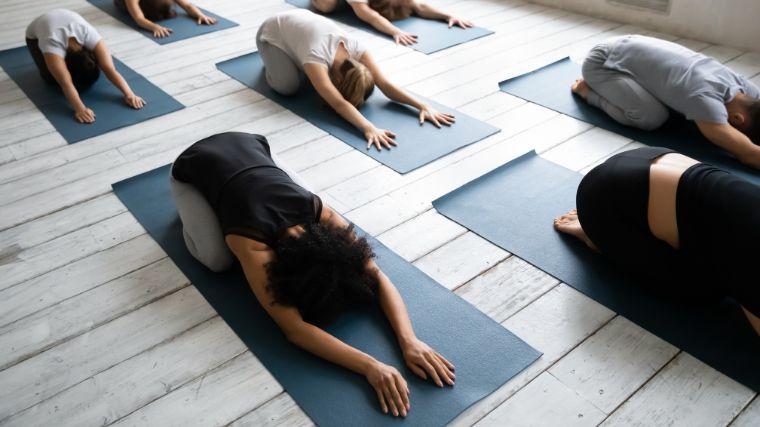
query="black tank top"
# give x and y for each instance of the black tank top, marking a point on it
(250, 195)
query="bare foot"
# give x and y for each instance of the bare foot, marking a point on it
(581, 88)
(569, 224)
(753, 320)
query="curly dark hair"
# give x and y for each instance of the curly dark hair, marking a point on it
(83, 68)
(322, 272)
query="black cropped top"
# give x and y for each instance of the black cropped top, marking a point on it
(250, 195)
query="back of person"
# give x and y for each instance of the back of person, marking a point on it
(53, 29)
(689, 82)
(307, 37)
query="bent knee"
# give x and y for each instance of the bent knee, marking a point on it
(286, 87)
(324, 6)
(651, 120)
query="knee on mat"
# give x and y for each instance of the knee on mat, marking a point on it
(324, 6)
(286, 87)
(649, 120)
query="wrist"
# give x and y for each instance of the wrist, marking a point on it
(367, 364)
(406, 339)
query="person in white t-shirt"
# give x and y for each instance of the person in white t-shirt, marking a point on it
(344, 74)
(380, 13)
(146, 12)
(69, 52)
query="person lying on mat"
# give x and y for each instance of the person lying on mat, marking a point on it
(146, 12)
(302, 260)
(69, 52)
(341, 70)
(380, 13)
(635, 79)
(689, 228)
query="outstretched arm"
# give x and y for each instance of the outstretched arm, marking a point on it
(427, 11)
(196, 13)
(390, 386)
(57, 67)
(106, 64)
(133, 7)
(320, 79)
(419, 357)
(733, 141)
(397, 94)
(382, 24)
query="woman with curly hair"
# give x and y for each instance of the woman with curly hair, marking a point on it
(380, 13)
(147, 12)
(302, 260)
(341, 70)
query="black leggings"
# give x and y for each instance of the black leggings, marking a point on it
(39, 60)
(718, 219)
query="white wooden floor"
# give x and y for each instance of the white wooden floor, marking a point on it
(98, 327)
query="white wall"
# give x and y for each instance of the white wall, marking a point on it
(733, 23)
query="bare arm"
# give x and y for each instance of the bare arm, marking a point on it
(733, 141)
(133, 7)
(196, 13)
(57, 67)
(320, 79)
(427, 11)
(399, 95)
(105, 61)
(382, 24)
(419, 357)
(390, 386)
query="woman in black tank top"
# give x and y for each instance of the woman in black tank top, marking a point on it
(690, 228)
(302, 260)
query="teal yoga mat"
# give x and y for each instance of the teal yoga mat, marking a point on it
(550, 87)
(514, 206)
(417, 145)
(183, 26)
(486, 354)
(103, 98)
(432, 35)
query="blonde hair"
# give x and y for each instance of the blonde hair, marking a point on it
(357, 82)
(392, 10)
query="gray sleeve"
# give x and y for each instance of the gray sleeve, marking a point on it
(705, 108)
(751, 89)
(89, 36)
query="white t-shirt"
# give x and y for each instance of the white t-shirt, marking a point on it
(53, 29)
(308, 38)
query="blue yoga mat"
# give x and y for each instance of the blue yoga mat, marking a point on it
(183, 26)
(486, 355)
(432, 35)
(102, 97)
(417, 145)
(550, 87)
(514, 207)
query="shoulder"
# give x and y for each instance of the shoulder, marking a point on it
(247, 248)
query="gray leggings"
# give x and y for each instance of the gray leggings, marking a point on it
(200, 227)
(282, 73)
(619, 95)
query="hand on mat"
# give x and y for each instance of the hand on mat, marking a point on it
(391, 388)
(159, 31)
(380, 138)
(85, 115)
(206, 20)
(134, 101)
(429, 114)
(404, 38)
(425, 362)
(459, 22)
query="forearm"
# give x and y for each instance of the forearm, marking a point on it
(427, 11)
(395, 310)
(353, 116)
(117, 80)
(190, 8)
(399, 95)
(72, 96)
(376, 20)
(323, 345)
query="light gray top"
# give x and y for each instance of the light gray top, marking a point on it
(695, 85)
(53, 28)
(308, 38)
